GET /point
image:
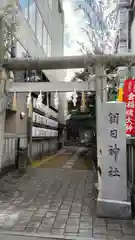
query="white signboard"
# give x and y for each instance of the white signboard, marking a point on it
(113, 163)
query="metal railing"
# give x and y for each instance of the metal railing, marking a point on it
(131, 163)
(15, 151)
(9, 150)
(131, 171)
(12, 143)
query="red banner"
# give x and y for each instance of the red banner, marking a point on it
(129, 99)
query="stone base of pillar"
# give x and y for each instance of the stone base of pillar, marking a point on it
(113, 209)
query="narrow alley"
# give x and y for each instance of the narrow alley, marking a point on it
(56, 202)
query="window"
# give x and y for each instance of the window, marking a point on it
(32, 14)
(44, 44)
(24, 6)
(39, 27)
(49, 52)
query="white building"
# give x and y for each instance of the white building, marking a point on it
(40, 34)
(126, 32)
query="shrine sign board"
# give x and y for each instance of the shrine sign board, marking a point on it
(129, 99)
(113, 198)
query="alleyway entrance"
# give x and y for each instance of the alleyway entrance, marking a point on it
(56, 202)
(70, 158)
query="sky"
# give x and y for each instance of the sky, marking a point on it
(74, 22)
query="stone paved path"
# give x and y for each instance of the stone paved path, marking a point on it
(56, 202)
(70, 163)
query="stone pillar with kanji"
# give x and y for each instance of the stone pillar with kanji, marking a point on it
(113, 197)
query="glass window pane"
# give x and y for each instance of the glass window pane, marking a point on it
(39, 27)
(32, 14)
(49, 46)
(45, 38)
(24, 5)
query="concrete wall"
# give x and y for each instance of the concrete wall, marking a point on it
(132, 36)
(14, 124)
(43, 148)
(39, 148)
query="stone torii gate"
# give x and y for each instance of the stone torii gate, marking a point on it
(100, 62)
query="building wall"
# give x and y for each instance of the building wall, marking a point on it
(122, 38)
(53, 24)
(40, 33)
(14, 124)
(132, 36)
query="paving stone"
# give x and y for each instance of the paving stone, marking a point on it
(115, 226)
(114, 234)
(128, 237)
(2, 222)
(128, 231)
(88, 219)
(86, 213)
(24, 221)
(63, 211)
(19, 228)
(72, 222)
(46, 206)
(71, 229)
(113, 221)
(97, 236)
(85, 225)
(41, 211)
(50, 214)
(31, 230)
(75, 215)
(33, 225)
(66, 208)
(99, 222)
(60, 221)
(27, 214)
(76, 210)
(70, 234)
(58, 232)
(53, 209)
(99, 229)
(37, 218)
(44, 229)
(85, 233)
(48, 222)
